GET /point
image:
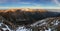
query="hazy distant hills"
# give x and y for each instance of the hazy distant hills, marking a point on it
(54, 10)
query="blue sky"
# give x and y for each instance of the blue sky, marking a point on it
(29, 3)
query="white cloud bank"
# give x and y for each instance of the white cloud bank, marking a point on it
(57, 2)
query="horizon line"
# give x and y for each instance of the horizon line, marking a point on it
(30, 7)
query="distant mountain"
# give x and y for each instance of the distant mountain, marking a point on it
(26, 16)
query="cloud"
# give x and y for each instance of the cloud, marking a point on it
(31, 3)
(57, 2)
(23, 3)
(20, 2)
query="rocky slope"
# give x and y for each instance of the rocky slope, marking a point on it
(13, 17)
(52, 23)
